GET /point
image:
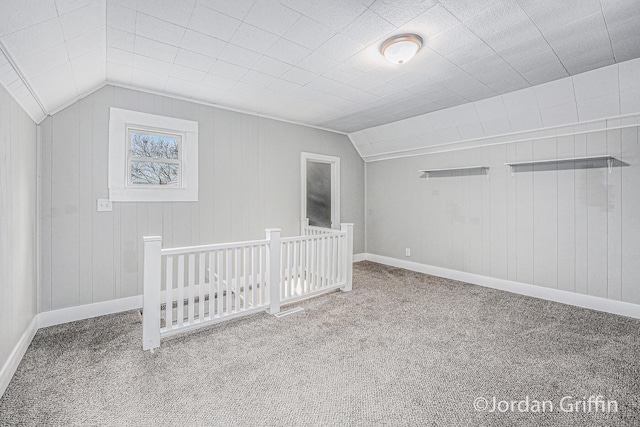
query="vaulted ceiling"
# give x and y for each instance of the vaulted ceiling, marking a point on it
(311, 61)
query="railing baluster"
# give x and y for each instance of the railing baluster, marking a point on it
(168, 297)
(322, 261)
(201, 293)
(191, 279)
(219, 287)
(229, 276)
(263, 275)
(211, 281)
(180, 313)
(296, 263)
(246, 277)
(315, 264)
(237, 296)
(334, 261)
(254, 283)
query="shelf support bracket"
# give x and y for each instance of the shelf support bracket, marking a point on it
(610, 163)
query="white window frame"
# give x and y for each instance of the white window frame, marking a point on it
(335, 184)
(120, 187)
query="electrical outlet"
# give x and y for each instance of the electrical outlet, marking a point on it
(407, 252)
(104, 205)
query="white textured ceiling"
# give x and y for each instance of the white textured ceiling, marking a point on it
(314, 62)
(608, 92)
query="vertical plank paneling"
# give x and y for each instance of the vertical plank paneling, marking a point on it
(597, 201)
(65, 206)
(85, 200)
(485, 220)
(630, 209)
(251, 226)
(143, 230)
(499, 225)
(236, 177)
(106, 246)
(614, 218)
(117, 250)
(581, 273)
(524, 214)
(566, 260)
(129, 242)
(206, 175)
(125, 232)
(45, 212)
(545, 215)
(457, 216)
(182, 218)
(222, 167)
(472, 218)
(512, 218)
(102, 236)
(18, 216)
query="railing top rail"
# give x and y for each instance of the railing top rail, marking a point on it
(313, 237)
(323, 229)
(213, 247)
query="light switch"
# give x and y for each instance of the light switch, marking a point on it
(105, 205)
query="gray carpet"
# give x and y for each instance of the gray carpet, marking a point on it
(401, 349)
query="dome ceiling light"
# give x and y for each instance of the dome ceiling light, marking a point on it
(401, 48)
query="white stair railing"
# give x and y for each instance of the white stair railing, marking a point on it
(190, 287)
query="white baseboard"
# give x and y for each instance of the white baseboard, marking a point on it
(550, 294)
(71, 314)
(10, 366)
(359, 257)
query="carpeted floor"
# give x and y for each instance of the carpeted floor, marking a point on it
(401, 349)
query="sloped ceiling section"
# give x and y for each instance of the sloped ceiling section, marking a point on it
(603, 93)
(312, 61)
(58, 49)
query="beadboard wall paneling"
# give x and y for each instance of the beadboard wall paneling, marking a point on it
(249, 179)
(18, 199)
(573, 229)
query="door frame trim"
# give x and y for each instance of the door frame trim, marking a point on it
(335, 184)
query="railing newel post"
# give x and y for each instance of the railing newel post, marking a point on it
(152, 291)
(348, 255)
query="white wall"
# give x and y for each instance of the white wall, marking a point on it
(18, 186)
(249, 180)
(573, 229)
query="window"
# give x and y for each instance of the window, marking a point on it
(152, 158)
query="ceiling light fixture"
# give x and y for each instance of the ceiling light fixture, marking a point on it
(401, 48)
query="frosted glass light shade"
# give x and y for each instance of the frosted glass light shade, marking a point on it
(402, 48)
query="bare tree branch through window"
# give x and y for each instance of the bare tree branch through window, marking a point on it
(155, 159)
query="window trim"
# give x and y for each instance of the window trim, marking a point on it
(120, 189)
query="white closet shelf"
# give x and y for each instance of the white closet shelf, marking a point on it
(607, 157)
(426, 172)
